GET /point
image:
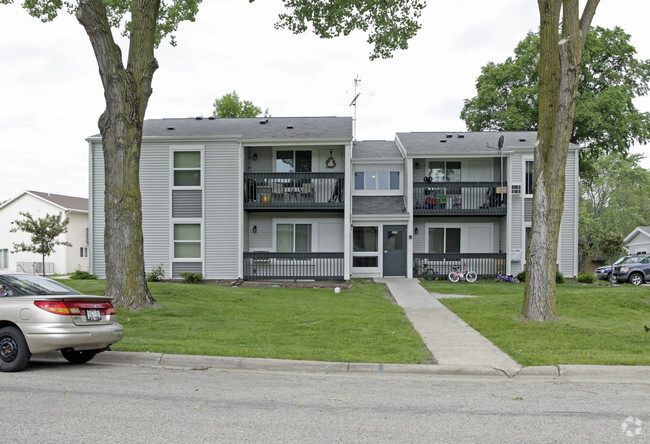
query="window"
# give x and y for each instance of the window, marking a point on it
(187, 241)
(444, 240)
(442, 171)
(373, 180)
(187, 168)
(528, 174)
(365, 245)
(293, 238)
(293, 162)
(83, 251)
(4, 258)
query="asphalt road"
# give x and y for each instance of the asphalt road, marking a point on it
(100, 402)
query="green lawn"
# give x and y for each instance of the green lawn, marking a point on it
(357, 325)
(597, 324)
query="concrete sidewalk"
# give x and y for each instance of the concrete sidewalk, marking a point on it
(447, 336)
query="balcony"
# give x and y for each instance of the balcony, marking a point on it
(459, 198)
(286, 191)
(291, 266)
(486, 265)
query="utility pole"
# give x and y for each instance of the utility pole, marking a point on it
(354, 103)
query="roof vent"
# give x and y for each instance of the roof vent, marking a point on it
(264, 121)
(211, 118)
(461, 136)
(522, 140)
(199, 117)
(289, 126)
(443, 140)
(170, 128)
(449, 136)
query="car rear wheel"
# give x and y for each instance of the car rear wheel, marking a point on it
(78, 356)
(635, 279)
(14, 353)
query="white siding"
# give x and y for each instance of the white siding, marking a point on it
(567, 256)
(222, 210)
(97, 259)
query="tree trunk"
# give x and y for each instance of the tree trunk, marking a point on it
(559, 70)
(127, 93)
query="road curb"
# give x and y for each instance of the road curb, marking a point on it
(200, 362)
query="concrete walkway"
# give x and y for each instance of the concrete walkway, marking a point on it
(451, 341)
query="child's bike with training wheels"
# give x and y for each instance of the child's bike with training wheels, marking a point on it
(457, 274)
(508, 278)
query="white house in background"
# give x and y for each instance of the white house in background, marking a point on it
(297, 198)
(64, 259)
(638, 241)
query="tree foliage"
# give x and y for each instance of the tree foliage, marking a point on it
(606, 119)
(616, 200)
(229, 105)
(43, 234)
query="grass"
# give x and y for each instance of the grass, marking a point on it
(357, 325)
(596, 324)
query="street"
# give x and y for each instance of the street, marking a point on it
(52, 401)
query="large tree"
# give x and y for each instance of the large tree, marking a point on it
(558, 69)
(127, 88)
(230, 105)
(606, 119)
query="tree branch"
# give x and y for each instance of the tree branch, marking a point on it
(587, 16)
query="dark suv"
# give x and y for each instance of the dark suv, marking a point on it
(635, 270)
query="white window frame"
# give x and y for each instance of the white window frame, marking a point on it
(367, 253)
(274, 160)
(445, 162)
(294, 222)
(4, 258)
(178, 149)
(368, 169)
(524, 162)
(187, 221)
(464, 233)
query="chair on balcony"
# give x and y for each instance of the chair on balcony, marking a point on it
(306, 189)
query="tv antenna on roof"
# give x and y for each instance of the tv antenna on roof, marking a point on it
(354, 103)
(500, 148)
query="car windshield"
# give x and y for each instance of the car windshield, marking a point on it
(28, 284)
(633, 260)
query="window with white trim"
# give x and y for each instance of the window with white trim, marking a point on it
(365, 247)
(529, 176)
(83, 251)
(187, 241)
(187, 168)
(444, 240)
(443, 171)
(290, 161)
(376, 180)
(293, 238)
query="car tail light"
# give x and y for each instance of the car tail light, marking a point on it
(75, 308)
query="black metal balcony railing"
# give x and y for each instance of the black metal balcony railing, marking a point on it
(457, 198)
(293, 190)
(484, 264)
(282, 266)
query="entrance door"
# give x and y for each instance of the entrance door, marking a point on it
(394, 250)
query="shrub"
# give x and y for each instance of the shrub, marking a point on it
(521, 276)
(156, 274)
(586, 278)
(191, 278)
(79, 275)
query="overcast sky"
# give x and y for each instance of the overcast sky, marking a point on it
(51, 95)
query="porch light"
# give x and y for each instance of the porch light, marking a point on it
(254, 228)
(254, 156)
(416, 231)
(417, 165)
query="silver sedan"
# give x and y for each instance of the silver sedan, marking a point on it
(39, 315)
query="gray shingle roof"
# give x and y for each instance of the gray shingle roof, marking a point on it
(67, 202)
(455, 143)
(378, 205)
(250, 129)
(375, 149)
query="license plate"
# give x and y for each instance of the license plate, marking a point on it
(93, 315)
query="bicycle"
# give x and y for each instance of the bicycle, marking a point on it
(420, 270)
(457, 274)
(508, 278)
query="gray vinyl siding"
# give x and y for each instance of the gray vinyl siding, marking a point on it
(517, 214)
(528, 209)
(97, 223)
(566, 250)
(222, 210)
(155, 173)
(186, 267)
(262, 240)
(187, 203)
(419, 240)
